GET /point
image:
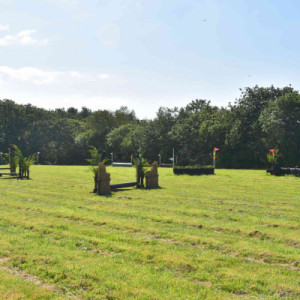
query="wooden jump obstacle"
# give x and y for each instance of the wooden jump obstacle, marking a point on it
(278, 171)
(23, 173)
(102, 179)
(11, 168)
(20, 175)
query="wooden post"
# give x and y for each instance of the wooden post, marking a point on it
(103, 180)
(96, 182)
(152, 177)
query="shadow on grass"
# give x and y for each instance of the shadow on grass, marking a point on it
(117, 190)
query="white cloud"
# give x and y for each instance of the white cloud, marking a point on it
(4, 28)
(103, 76)
(63, 88)
(28, 74)
(38, 76)
(23, 38)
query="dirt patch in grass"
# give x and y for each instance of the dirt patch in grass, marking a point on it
(33, 279)
(266, 261)
(101, 252)
(204, 283)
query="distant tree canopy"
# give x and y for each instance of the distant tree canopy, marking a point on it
(260, 119)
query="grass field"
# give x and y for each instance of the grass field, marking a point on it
(234, 235)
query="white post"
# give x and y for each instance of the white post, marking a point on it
(37, 157)
(173, 158)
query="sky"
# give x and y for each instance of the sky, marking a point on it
(145, 54)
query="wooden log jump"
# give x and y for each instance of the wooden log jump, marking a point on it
(23, 173)
(102, 179)
(122, 185)
(12, 168)
(278, 171)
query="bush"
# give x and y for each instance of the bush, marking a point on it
(194, 167)
(208, 170)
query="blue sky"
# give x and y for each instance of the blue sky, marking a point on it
(145, 53)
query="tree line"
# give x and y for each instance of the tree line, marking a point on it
(260, 119)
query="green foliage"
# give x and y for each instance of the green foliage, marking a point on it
(15, 157)
(195, 167)
(144, 165)
(29, 161)
(95, 159)
(259, 119)
(95, 156)
(23, 162)
(280, 123)
(13, 162)
(125, 140)
(4, 159)
(273, 157)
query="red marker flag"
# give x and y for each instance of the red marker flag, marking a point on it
(8, 149)
(216, 149)
(272, 150)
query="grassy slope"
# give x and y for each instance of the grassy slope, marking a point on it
(232, 235)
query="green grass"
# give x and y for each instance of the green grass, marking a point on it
(230, 235)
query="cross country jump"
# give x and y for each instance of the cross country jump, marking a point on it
(102, 179)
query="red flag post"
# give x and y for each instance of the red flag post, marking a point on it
(214, 156)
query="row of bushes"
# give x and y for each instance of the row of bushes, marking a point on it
(194, 170)
(194, 167)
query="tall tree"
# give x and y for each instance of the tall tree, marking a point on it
(280, 122)
(246, 138)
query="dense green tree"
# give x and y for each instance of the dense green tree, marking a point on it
(280, 122)
(124, 116)
(260, 119)
(200, 127)
(246, 139)
(125, 141)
